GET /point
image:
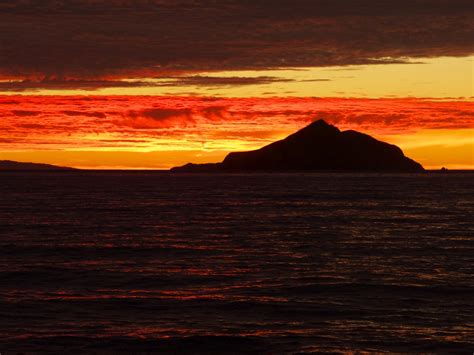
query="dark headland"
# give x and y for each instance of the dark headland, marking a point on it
(317, 147)
(8, 165)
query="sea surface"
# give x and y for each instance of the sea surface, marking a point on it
(146, 262)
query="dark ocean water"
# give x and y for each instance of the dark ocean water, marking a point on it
(293, 263)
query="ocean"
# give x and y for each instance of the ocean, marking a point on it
(149, 262)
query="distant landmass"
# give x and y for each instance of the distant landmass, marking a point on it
(15, 166)
(317, 147)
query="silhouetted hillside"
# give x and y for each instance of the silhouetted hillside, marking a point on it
(14, 166)
(317, 147)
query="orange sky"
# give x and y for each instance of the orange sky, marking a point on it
(158, 132)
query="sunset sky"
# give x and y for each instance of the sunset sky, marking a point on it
(158, 83)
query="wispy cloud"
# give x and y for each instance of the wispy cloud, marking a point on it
(170, 81)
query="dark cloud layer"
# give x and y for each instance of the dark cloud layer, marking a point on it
(61, 84)
(90, 85)
(54, 40)
(199, 80)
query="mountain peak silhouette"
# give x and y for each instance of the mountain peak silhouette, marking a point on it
(318, 124)
(319, 128)
(319, 146)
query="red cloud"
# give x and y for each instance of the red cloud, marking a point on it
(24, 113)
(157, 118)
(84, 113)
(135, 121)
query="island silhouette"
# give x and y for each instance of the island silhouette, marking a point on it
(19, 166)
(317, 147)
